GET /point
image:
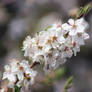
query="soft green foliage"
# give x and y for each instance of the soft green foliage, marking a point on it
(68, 84)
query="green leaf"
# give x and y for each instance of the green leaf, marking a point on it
(81, 11)
(68, 84)
(48, 27)
(84, 10)
(87, 8)
(17, 89)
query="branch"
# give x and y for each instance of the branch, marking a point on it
(34, 64)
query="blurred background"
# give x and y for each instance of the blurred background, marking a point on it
(19, 18)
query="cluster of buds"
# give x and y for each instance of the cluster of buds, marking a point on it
(19, 74)
(56, 43)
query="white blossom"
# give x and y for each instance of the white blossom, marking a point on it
(76, 26)
(56, 43)
(17, 72)
(51, 47)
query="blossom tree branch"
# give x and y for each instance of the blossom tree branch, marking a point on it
(51, 48)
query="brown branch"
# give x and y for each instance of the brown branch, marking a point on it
(34, 64)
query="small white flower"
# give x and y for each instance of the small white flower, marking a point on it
(75, 26)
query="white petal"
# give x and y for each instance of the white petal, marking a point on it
(66, 26)
(71, 21)
(5, 74)
(80, 29)
(7, 67)
(12, 78)
(79, 21)
(20, 75)
(86, 36)
(73, 32)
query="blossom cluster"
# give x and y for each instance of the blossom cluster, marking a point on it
(19, 73)
(56, 43)
(50, 47)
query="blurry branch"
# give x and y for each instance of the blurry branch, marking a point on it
(68, 84)
(34, 64)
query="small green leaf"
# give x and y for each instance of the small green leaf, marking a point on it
(81, 11)
(68, 84)
(17, 89)
(48, 27)
(87, 8)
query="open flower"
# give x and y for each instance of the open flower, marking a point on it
(75, 26)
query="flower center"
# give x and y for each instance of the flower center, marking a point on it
(79, 34)
(40, 47)
(20, 68)
(54, 38)
(74, 26)
(49, 41)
